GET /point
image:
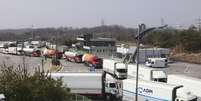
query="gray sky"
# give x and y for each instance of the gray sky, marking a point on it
(88, 13)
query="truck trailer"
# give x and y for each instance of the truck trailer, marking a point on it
(89, 84)
(148, 73)
(190, 83)
(73, 56)
(115, 67)
(155, 91)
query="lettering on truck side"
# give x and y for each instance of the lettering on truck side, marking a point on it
(129, 96)
(145, 91)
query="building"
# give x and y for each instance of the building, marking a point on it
(102, 47)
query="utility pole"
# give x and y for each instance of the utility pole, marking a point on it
(142, 31)
(141, 28)
(199, 24)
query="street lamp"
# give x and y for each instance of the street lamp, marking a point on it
(142, 31)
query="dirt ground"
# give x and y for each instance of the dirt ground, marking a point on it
(187, 57)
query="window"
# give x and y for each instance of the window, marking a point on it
(112, 85)
(194, 99)
(106, 85)
(160, 79)
(122, 70)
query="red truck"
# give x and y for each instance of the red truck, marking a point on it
(92, 60)
(50, 53)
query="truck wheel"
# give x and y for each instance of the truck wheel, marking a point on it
(107, 97)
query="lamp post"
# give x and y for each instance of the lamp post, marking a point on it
(141, 33)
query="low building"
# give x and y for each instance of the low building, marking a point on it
(102, 47)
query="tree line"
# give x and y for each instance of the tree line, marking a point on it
(66, 34)
(182, 40)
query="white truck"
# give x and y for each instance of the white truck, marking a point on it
(156, 62)
(190, 83)
(147, 73)
(2, 97)
(90, 84)
(73, 56)
(155, 91)
(115, 67)
(31, 50)
(13, 50)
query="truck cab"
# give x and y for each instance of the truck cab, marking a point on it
(2, 97)
(115, 68)
(112, 87)
(121, 71)
(158, 76)
(185, 95)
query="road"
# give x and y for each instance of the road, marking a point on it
(188, 69)
(32, 63)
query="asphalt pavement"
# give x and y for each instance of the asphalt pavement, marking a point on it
(32, 63)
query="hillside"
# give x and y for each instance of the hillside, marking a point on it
(68, 33)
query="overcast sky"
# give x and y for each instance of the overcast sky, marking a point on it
(88, 13)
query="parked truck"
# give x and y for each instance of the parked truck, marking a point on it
(89, 84)
(147, 73)
(13, 50)
(30, 50)
(50, 53)
(190, 83)
(92, 60)
(115, 67)
(2, 97)
(155, 91)
(156, 62)
(74, 55)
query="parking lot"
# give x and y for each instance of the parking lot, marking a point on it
(33, 62)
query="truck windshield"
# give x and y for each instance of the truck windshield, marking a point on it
(112, 85)
(194, 99)
(122, 70)
(161, 79)
(98, 60)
